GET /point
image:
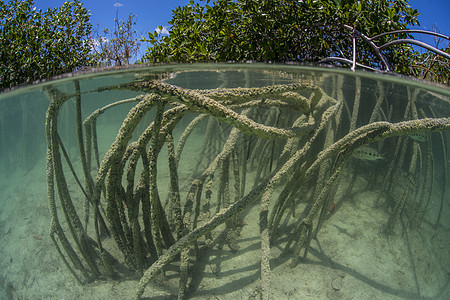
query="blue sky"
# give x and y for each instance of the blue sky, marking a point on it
(433, 12)
(149, 13)
(153, 13)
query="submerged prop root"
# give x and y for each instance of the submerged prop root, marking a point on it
(274, 133)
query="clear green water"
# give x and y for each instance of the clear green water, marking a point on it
(386, 237)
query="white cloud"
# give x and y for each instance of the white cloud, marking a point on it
(162, 31)
(95, 43)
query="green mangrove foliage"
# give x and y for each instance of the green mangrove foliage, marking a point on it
(36, 44)
(302, 31)
(284, 147)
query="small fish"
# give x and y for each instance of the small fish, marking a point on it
(332, 206)
(367, 153)
(419, 137)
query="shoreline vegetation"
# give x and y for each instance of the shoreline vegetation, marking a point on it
(365, 34)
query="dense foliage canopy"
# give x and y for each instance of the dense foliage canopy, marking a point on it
(36, 44)
(278, 30)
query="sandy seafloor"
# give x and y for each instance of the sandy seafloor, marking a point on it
(351, 258)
